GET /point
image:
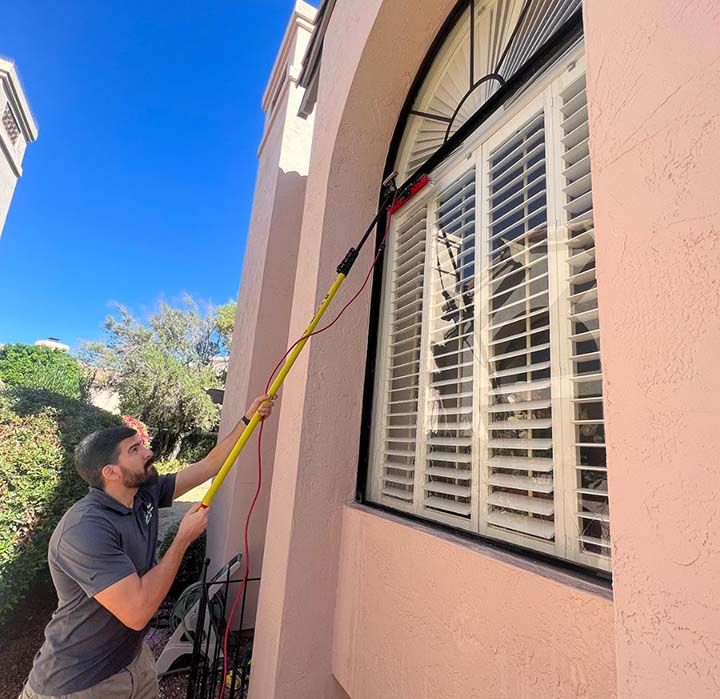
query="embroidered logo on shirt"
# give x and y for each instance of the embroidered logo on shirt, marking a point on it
(148, 512)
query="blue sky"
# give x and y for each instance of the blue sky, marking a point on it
(140, 184)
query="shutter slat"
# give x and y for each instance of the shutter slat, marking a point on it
(579, 205)
(582, 277)
(398, 466)
(520, 387)
(590, 356)
(511, 338)
(522, 143)
(579, 186)
(577, 169)
(524, 268)
(522, 503)
(537, 484)
(520, 370)
(582, 240)
(520, 406)
(535, 444)
(399, 452)
(540, 528)
(520, 207)
(585, 336)
(449, 458)
(518, 257)
(398, 493)
(458, 508)
(510, 289)
(517, 240)
(540, 211)
(535, 424)
(518, 463)
(523, 175)
(584, 296)
(456, 473)
(580, 150)
(449, 442)
(462, 491)
(533, 312)
(401, 480)
(574, 103)
(524, 350)
(451, 382)
(603, 543)
(582, 258)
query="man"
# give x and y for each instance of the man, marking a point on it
(103, 565)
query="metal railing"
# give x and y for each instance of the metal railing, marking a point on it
(206, 671)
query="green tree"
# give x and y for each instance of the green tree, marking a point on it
(43, 368)
(225, 319)
(162, 369)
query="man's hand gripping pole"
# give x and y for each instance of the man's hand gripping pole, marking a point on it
(272, 392)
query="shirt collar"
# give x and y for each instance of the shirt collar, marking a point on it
(102, 498)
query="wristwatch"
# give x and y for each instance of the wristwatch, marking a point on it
(245, 420)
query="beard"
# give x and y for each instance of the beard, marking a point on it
(135, 480)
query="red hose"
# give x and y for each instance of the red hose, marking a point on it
(239, 595)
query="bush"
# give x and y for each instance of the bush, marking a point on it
(164, 466)
(191, 567)
(196, 447)
(38, 481)
(44, 368)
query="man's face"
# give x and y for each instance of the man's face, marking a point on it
(136, 463)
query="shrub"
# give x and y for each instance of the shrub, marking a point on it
(42, 367)
(196, 447)
(169, 466)
(38, 481)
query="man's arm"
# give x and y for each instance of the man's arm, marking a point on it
(207, 468)
(134, 599)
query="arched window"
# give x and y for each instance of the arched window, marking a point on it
(487, 404)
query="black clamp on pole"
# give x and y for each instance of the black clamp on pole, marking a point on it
(349, 260)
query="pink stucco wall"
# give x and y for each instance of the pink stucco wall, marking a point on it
(425, 615)
(654, 97)
(371, 54)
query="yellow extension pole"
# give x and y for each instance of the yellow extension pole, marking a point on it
(274, 388)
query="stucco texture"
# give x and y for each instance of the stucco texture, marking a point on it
(422, 615)
(654, 101)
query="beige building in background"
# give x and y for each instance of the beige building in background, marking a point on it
(17, 129)
(497, 476)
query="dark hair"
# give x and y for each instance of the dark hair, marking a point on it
(98, 450)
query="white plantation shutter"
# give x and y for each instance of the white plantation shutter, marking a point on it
(590, 506)
(488, 403)
(402, 362)
(447, 456)
(517, 460)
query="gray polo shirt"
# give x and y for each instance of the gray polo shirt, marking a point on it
(97, 543)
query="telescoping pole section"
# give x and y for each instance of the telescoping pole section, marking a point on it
(391, 203)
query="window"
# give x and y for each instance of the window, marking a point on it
(488, 412)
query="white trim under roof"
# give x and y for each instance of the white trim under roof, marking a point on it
(18, 101)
